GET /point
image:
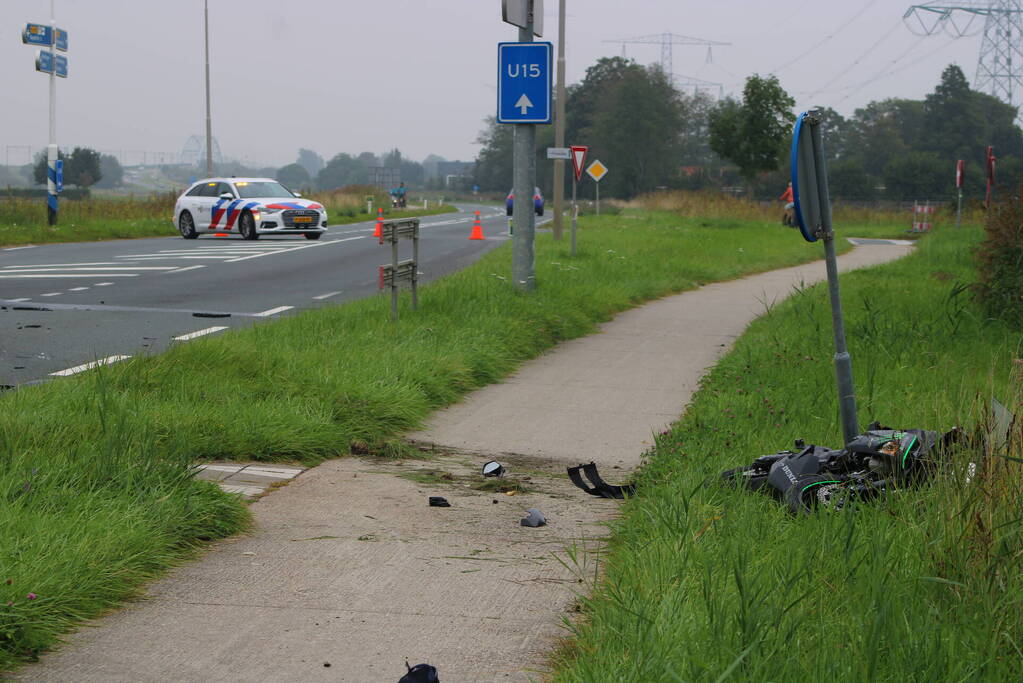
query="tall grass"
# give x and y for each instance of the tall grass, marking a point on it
(709, 583)
(93, 492)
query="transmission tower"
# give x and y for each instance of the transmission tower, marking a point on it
(666, 41)
(1000, 65)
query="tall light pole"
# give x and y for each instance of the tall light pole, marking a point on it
(209, 125)
(559, 125)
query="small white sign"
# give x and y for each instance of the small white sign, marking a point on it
(559, 153)
(516, 13)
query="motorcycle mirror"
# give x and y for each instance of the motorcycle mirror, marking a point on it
(493, 469)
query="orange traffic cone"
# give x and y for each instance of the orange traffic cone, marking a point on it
(379, 231)
(477, 229)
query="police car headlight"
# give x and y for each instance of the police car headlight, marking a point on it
(269, 211)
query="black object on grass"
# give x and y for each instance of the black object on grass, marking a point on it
(420, 673)
(439, 502)
(600, 487)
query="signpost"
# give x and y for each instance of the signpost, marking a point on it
(960, 167)
(990, 176)
(48, 62)
(524, 100)
(597, 171)
(559, 153)
(813, 213)
(578, 164)
(393, 274)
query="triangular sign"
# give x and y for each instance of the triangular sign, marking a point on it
(579, 160)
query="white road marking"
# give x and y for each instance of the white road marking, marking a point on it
(182, 270)
(7, 276)
(52, 294)
(199, 333)
(326, 296)
(16, 301)
(32, 246)
(104, 284)
(77, 289)
(275, 311)
(89, 268)
(89, 366)
(64, 265)
(268, 253)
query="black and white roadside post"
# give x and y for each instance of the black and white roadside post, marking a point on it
(813, 213)
(524, 100)
(959, 192)
(49, 62)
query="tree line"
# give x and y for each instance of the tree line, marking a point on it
(653, 136)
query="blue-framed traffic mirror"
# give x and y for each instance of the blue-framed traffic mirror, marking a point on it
(809, 179)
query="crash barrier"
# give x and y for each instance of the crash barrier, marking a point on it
(477, 228)
(393, 274)
(923, 214)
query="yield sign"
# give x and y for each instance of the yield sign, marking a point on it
(597, 170)
(578, 160)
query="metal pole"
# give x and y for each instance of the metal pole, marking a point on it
(524, 159)
(843, 361)
(575, 213)
(415, 268)
(209, 125)
(394, 275)
(559, 127)
(597, 183)
(959, 208)
(51, 148)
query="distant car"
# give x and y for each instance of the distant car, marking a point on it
(253, 206)
(537, 201)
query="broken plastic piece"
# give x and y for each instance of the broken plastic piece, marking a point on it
(420, 673)
(534, 518)
(493, 469)
(600, 487)
(439, 502)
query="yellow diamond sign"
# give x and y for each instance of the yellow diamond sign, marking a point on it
(597, 170)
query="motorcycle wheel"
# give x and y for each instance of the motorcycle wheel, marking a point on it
(745, 477)
(817, 492)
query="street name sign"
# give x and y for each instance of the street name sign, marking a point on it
(579, 160)
(44, 63)
(516, 13)
(40, 34)
(524, 82)
(597, 170)
(559, 153)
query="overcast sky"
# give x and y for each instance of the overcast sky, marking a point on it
(369, 75)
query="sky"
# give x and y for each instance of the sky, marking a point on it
(370, 75)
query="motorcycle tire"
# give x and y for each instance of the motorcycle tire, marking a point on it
(815, 492)
(745, 477)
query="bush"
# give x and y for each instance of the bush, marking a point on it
(1000, 258)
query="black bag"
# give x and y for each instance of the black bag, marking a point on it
(420, 673)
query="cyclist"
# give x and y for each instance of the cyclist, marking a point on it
(788, 218)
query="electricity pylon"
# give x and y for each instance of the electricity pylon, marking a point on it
(666, 41)
(1000, 65)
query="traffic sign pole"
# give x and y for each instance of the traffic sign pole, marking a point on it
(51, 148)
(524, 160)
(959, 192)
(813, 211)
(559, 127)
(578, 153)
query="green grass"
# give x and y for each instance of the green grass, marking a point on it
(706, 583)
(94, 496)
(23, 221)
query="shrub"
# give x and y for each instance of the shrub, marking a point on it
(1000, 258)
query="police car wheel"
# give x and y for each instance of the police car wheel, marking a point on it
(186, 226)
(247, 226)
(313, 235)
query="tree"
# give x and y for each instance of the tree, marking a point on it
(111, 170)
(310, 161)
(917, 175)
(39, 168)
(754, 133)
(81, 167)
(493, 168)
(343, 169)
(294, 176)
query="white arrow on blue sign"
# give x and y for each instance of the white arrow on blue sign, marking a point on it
(524, 82)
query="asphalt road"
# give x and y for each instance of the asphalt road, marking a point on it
(66, 306)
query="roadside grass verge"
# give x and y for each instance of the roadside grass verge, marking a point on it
(707, 583)
(94, 492)
(23, 221)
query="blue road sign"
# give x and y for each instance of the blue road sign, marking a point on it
(809, 181)
(59, 179)
(37, 34)
(61, 40)
(524, 82)
(44, 63)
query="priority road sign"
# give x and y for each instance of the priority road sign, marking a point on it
(579, 160)
(524, 82)
(597, 170)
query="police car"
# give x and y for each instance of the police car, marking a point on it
(250, 206)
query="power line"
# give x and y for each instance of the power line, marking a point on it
(856, 61)
(834, 33)
(886, 73)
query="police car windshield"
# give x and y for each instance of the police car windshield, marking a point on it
(248, 190)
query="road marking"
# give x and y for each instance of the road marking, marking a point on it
(77, 289)
(65, 265)
(7, 276)
(268, 253)
(22, 269)
(326, 296)
(89, 366)
(182, 270)
(16, 248)
(104, 284)
(52, 294)
(274, 311)
(17, 301)
(199, 333)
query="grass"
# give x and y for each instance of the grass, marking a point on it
(94, 492)
(23, 221)
(705, 583)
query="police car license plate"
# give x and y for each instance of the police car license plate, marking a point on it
(303, 219)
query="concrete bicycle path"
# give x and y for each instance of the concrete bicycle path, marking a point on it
(349, 571)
